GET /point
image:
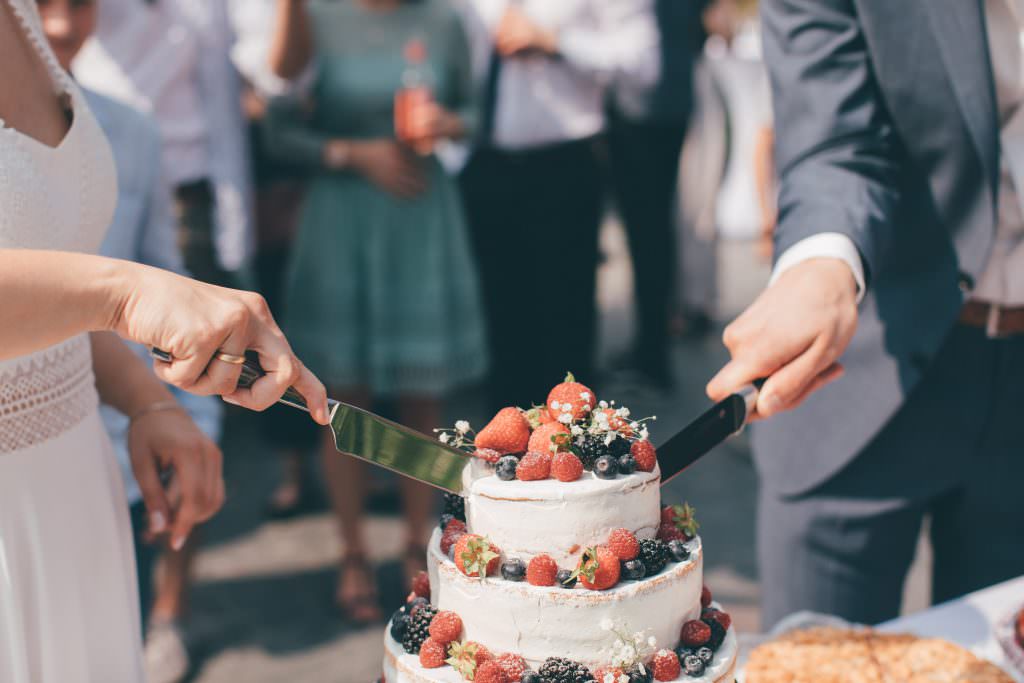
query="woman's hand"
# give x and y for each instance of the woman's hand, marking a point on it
(167, 440)
(430, 122)
(390, 166)
(194, 321)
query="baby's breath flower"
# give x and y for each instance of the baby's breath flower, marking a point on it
(608, 438)
(555, 405)
(622, 412)
(445, 437)
(585, 395)
(462, 426)
(576, 430)
(623, 678)
(606, 624)
(602, 405)
(565, 418)
(609, 678)
(652, 642)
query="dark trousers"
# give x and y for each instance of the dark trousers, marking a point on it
(195, 204)
(534, 217)
(845, 547)
(644, 160)
(146, 554)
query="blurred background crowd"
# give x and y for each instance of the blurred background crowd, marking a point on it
(448, 204)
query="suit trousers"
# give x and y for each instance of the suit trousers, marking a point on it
(845, 547)
(534, 217)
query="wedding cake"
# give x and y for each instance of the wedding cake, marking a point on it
(559, 564)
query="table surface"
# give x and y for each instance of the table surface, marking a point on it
(969, 621)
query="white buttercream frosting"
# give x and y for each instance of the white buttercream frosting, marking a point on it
(528, 518)
(538, 622)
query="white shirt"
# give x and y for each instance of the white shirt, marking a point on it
(171, 59)
(543, 100)
(1002, 282)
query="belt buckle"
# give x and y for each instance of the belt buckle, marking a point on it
(995, 315)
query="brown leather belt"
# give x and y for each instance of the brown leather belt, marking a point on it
(996, 320)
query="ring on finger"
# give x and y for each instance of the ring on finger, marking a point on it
(231, 358)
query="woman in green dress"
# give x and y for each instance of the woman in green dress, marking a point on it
(382, 296)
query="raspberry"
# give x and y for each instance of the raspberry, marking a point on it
(548, 438)
(668, 514)
(541, 571)
(623, 544)
(570, 398)
(421, 585)
(490, 672)
(705, 596)
(513, 665)
(602, 673)
(476, 556)
(665, 666)
(670, 532)
(534, 467)
(507, 432)
(721, 617)
(566, 467)
(432, 654)
(455, 525)
(695, 633)
(644, 454)
(599, 568)
(450, 537)
(446, 627)
(488, 455)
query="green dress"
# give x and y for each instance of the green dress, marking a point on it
(382, 292)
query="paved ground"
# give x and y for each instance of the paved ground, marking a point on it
(261, 604)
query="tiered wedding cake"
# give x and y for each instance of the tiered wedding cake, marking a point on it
(561, 565)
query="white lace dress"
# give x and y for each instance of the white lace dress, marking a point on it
(68, 596)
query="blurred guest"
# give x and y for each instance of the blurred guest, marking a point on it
(533, 185)
(900, 259)
(382, 294)
(171, 58)
(645, 136)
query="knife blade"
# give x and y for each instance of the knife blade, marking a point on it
(714, 426)
(372, 438)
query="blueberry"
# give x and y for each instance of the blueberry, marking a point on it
(706, 654)
(638, 676)
(678, 550)
(606, 467)
(717, 633)
(415, 604)
(565, 579)
(693, 666)
(513, 569)
(399, 624)
(627, 465)
(633, 570)
(619, 447)
(683, 652)
(530, 677)
(446, 518)
(506, 468)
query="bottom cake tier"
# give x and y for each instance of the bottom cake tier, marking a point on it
(401, 667)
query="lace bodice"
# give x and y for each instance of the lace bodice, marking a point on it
(58, 198)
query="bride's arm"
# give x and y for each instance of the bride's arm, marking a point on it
(48, 296)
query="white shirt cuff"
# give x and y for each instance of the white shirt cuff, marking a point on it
(824, 245)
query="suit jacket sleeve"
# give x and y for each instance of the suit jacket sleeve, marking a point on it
(836, 149)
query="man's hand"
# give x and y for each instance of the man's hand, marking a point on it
(792, 334)
(517, 34)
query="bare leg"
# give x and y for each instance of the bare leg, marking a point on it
(171, 600)
(345, 482)
(422, 413)
(288, 494)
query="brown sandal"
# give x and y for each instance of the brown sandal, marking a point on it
(363, 609)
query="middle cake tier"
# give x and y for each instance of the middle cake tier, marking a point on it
(538, 622)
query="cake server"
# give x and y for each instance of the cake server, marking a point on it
(374, 439)
(724, 419)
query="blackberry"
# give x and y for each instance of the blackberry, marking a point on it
(678, 550)
(399, 625)
(455, 505)
(530, 677)
(415, 604)
(606, 467)
(565, 579)
(653, 554)
(627, 465)
(446, 518)
(717, 634)
(633, 570)
(561, 670)
(638, 676)
(618, 448)
(513, 569)
(693, 666)
(706, 654)
(417, 630)
(589, 448)
(506, 468)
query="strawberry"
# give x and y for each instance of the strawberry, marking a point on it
(566, 466)
(598, 569)
(537, 416)
(490, 672)
(695, 633)
(476, 556)
(623, 544)
(455, 525)
(705, 596)
(723, 618)
(466, 657)
(644, 454)
(513, 665)
(541, 571)
(432, 654)
(682, 518)
(608, 673)
(507, 432)
(618, 423)
(488, 455)
(570, 398)
(445, 627)
(451, 536)
(665, 666)
(549, 438)
(421, 585)
(534, 467)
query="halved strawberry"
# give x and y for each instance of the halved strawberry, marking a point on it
(549, 438)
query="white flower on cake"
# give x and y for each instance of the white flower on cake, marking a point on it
(462, 426)
(629, 649)
(585, 395)
(565, 418)
(445, 437)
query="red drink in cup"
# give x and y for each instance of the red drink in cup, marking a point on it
(416, 92)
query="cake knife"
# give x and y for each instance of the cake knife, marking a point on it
(373, 438)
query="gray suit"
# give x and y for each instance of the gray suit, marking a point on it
(887, 132)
